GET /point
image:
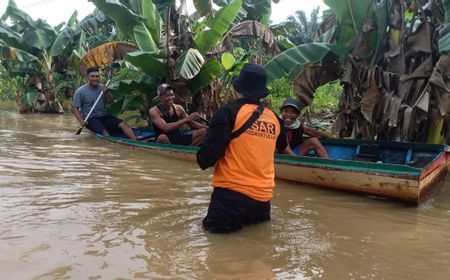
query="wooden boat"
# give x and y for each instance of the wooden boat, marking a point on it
(409, 172)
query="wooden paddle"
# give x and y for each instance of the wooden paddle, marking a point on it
(204, 120)
(92, 109)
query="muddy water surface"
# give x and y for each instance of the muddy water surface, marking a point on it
(73, 207)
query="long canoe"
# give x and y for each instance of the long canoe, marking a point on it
(409, 172)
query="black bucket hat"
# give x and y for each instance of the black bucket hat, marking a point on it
(293, 103)
(252, 81)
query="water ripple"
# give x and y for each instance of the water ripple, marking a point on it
(75, 207)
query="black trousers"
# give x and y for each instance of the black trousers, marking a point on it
(229, 211)
(108, 122)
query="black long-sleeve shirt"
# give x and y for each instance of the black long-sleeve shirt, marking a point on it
(219, 133)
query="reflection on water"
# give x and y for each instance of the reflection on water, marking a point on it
(75, 207)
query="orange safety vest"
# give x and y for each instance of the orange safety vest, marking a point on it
(248, 164)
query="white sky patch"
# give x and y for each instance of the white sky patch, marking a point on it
(57, 11)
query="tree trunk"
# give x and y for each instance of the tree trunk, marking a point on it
(47, 101)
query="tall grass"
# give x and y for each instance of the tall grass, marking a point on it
(326, 97)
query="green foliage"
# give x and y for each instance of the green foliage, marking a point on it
(65, 85)
(241, 57)
(151, 63)
(218, 25)
(259, 10)
(444, 40)
(292, 62)
(327, 97)
(350, 15)
(189, 64)
(134, 93)
(280, 89)
(131, 20)
(30, 97)
(9, 86)
(227, 60)
(300, 29)
(209, 72)
(123, 16)
(152, 19)
(93, 30)
(25, 44)
(203, 7)
(143, 38)
(125, 74)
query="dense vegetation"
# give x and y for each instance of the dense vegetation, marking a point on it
(386, 61)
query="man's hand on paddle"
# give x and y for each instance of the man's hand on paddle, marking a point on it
(82, 123)
(193, 120)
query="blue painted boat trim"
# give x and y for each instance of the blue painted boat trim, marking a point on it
(336, 164)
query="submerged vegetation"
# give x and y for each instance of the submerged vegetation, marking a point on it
(380, 65)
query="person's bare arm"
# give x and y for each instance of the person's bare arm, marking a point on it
(155, 115)
(76, 113)
(289, 151)
(314, 132)
(108, 95)
(194, 124)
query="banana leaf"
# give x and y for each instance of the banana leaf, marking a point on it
(203, 7)
(152, 19)
(189, 64)
(124, 87)
(208, 73)
(218, 25)
(250, 29)
(152, 64)
(144, 39)
(29, 98)
(123, 17)
(351, 15)
(38, 39)
(71, 33)
(13, 54)
(444, 40)
(73, 19)
(228, 60)
(259, 10)
(25, 21)
(16, 15)
(105, 54)
(285, 42)
(10, 37)
(291, 62)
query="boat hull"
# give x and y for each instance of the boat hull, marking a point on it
(394, 181)
(404, 187)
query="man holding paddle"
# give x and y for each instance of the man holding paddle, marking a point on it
(89, 107)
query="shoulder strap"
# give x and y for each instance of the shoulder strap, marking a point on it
(255, 115)
(161, 109)
(175, 110)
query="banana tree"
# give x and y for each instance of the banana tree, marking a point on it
(388, 60)
(254, 10)
(192, 50)
(249, 31)
(298, 29)
(74, 41)
(139, 23)
(25, 45)
(182, 58)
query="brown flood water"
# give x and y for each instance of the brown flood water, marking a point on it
(73, 207)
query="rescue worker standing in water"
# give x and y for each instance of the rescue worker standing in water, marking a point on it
(241, 143)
